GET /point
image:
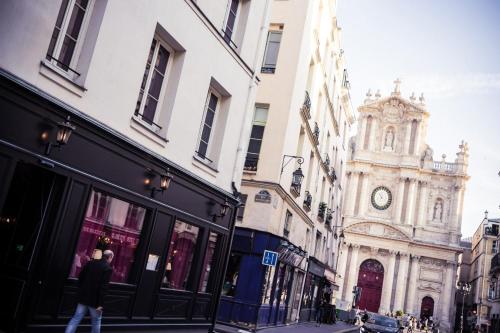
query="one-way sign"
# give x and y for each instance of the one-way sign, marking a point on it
(269, 258)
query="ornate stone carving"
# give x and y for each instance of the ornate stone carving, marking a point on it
(433, 262)
(429, 286)
(392, 233)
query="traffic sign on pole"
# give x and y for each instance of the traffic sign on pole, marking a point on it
(269, 258)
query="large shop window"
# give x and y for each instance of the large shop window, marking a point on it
(209, 263)
(113, 224)
(180, 255)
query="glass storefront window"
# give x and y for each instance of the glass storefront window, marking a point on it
(180, 255)
(113, 224)
(232, 273)
(208, 262)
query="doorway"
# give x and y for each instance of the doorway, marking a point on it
(27, 217)
(427, 308)
(370, 280)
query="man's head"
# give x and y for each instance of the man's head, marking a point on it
(108, 255)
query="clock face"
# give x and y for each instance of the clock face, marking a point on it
(381, 198)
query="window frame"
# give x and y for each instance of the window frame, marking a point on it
(208, 157)
(266, 68)
(56, 52)
(229, 38)
(138, 115)
(256, 123)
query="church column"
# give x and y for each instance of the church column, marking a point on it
(363, 197)
(401, 281)
(410, 202)
(412, 287)
(371, 144)
(351, 198)
(385, 303)
(406, 148)
(361, 135)
(351, 275)
(418, 135)
(399, 201)
(422, 207)
(341, 268)
(447, 291)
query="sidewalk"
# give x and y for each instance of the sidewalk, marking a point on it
(309, 327)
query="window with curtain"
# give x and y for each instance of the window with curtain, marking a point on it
(180, 256)
(113, 224)
(208, 263)
(272, 50)
(258, 126)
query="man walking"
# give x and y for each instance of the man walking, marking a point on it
(93, 284)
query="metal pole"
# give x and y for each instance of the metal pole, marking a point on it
(462, 315)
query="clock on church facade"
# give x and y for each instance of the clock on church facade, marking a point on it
(381, 198)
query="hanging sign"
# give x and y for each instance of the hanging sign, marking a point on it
(269, 258)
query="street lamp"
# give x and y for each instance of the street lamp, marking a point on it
(464, 288)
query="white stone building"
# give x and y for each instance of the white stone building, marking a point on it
(402, 213)
(302, 118)
(158, 97)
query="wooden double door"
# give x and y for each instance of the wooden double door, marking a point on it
(370, 280)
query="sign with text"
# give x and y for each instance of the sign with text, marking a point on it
(269, 258)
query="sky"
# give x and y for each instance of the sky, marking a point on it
(450, 51)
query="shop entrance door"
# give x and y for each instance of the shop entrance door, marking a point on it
(27, 217)
(370, 279)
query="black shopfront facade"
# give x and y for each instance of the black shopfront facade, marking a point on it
(317, 288)
(61, 207)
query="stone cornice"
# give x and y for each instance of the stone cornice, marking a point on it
(282, 193)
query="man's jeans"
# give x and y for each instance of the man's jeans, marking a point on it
(81, 311)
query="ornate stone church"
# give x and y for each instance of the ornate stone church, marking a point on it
(402, 213)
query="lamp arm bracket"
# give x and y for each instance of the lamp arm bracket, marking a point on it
(299, 159)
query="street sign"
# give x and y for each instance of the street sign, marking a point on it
(269, 258)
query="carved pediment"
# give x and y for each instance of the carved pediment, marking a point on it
(394, 103)
(378, 230)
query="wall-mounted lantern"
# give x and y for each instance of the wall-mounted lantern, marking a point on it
(64, 130)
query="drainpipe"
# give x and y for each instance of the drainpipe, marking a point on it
(249, 101)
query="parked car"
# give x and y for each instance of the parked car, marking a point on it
(381, 324)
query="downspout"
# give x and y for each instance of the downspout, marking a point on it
(249, 102)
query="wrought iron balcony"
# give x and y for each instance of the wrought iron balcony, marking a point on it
(333, 174)
(316, 133)
(329, 217)
(321, 210)
(306, 106)
(491, 230)
(495, 263)
(251, 163)
(307, 201)
(327, 161)
(295, 189)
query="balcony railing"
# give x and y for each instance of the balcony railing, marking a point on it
(251, 163)
(295, 189)
(327, 161)
(495, 263)
(333, 174)
(316, 133)
(491, 230)
(306, 106)
(307, 201)
(329, 218)
(445, 166)
(321, 210)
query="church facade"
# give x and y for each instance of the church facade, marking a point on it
(402, 214)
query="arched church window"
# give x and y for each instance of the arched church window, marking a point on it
(368, 130)
(438, 210)
(413, 135)
(389, 139)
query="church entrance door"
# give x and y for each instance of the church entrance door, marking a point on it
(427, 309)
(370, 280)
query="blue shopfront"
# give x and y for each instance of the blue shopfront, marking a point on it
(257, 295)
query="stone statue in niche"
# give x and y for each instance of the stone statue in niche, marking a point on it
(428, 154)
(438, 211)
(389, 140)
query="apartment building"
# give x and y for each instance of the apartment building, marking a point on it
(123, 127)
(293, 182)
(485, 295)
